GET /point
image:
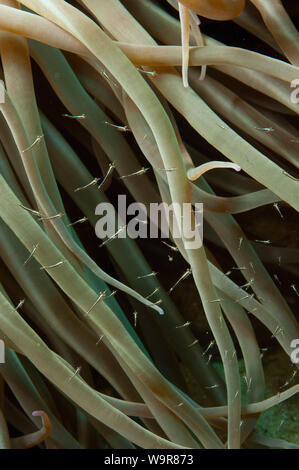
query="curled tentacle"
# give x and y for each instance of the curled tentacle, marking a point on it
(216, 9)
(195, 173)
(34, 438)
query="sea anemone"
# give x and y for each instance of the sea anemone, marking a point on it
(150, 342)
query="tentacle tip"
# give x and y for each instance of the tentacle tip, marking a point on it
(185, 83)
(196, 18)
(160, 310)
